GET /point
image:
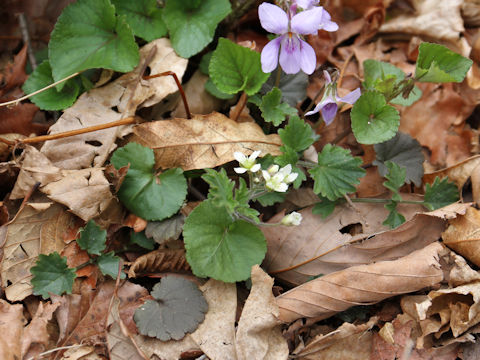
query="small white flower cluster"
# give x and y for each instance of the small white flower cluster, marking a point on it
(247, 163)
(292, 219)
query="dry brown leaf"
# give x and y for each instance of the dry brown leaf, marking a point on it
(28, 236)
(205, 141)
(432, 19)
(258, 333)
(69, 313)
(136, 223)
(11, 328)
(362, 285)
(337, 249)
(463, 235)
(348, 342)
(110, 103)
(159, 261)
(82, 352)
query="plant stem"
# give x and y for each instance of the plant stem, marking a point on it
(307, 164)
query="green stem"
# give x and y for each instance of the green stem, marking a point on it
(307, 164)
(278, 77)
(89, 262)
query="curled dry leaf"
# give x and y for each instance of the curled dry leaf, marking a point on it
(336, 249)
(258, 333)
(159, 261)
(109, 103)
(27, 237)
(362, 285)
(462, 235)
(205, 141)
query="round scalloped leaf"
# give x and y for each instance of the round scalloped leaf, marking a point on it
(373, 120)
(143, 16)
(144, 193)
(219, 247)
(88, 35)
(179, 310)
(92, 238)
(50, 99)
(52, 275)
(108, 264)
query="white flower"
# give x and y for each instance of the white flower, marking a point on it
(278, 180)
(247, 163)
(289, 177)
(294, 218)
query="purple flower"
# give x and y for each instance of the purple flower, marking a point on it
(295, 53)
(326, 23)
(329, 103)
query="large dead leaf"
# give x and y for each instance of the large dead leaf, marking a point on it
(329, 239)
(205, 141)
(33, 232)
(258, 333)
(11, 328)
(109, 103)
(159, 261)
(362, 285)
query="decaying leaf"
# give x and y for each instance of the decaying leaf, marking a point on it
(109, 103)
(159, 261)
(168, 229)
(11, 328)
(179, 307)
(27, 237)
(205, 141)
(336, 249)
(258, 333)
(362, 285)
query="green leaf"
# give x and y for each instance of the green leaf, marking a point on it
(394, 218)
(143, 16)
(213, 90)
(297, 135)
(141, 240)
(242, 200)
(272, 108)
(404, 151)
(50, 99)
(413, 95)
(144, 193)
(439, 194)
(271, 198)
(108, 264)
(234, 68)
(395, 179)
(179, 308)
(219, 247)
(437, 63)
(192, 27)
(373, 120)
(293, 86)
(336, 173)
(325, 207)
(88, 35)
(92, 238)
(52, 275)
(221, 189)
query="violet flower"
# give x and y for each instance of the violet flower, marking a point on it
(326, 23)
(328, 106)
(295, 53)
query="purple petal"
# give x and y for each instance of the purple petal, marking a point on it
(308, 59)
(308, 21)
(320, 105)
(273, 18)
(290, 54)
(326, 23)
(328, 112)
(306, 4)
(351, 97)
(269, 57)
(327, 77)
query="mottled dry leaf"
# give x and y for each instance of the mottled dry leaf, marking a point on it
(463, 235)
(432, 19)
(110, 103)
(205, 141)
(336, 249)
(258, 333)
(348, 342)
(159, 261)
(11, 328)
(362, 285)
(29, 235)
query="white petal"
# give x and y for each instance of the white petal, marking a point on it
(254, 155)
(255, 168)
(239, 156)
(282, 187)
(266, 175)
(240, 170)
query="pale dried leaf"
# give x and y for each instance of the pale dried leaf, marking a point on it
(258, 333)
(82, 352)
(463, 235)
(110, 103)
(205, 141)
(348, 342)
(11, 328)
(159, 261)
(27, 236)
(70, 311)
(458, 173)
(362, 285)
(337, 249)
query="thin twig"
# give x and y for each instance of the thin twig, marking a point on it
(240, 105)
(22, 20)
(342, 70)
(16, 101)
(54, 350)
